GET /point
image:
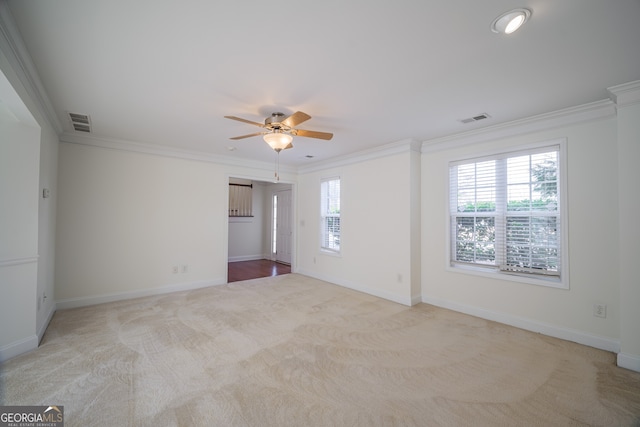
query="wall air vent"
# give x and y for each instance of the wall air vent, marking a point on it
(475, 118)
(80, 122)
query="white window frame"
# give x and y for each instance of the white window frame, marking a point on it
(561, 282)
(324, 215)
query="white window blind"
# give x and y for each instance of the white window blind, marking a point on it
(330, 214)
(505, 212)
(240, 199)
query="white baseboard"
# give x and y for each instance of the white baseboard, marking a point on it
(18, 347)
(247, 258)
(629, 361)
(100, 299)
(404, 300)
(43, 328)
(529, 325)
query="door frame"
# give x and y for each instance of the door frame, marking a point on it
(294, 216)
(273, 223)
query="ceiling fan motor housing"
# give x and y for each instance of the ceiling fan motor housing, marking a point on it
(274, 122)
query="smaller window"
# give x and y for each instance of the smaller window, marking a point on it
(330, 214)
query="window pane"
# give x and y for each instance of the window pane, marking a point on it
(476, 187)
(532, 242)
(486, 253)
(464, 229)
(485, 229)
(518, 197)
(544, 176)
(475, 238)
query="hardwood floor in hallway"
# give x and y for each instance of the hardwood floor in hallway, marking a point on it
(245, 270)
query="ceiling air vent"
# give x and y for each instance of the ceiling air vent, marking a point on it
(476, 118)
(80, 122)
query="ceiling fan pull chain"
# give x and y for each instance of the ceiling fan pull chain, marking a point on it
(277, 172)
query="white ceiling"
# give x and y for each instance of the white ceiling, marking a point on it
(372, 72)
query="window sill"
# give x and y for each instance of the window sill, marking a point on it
(331, 253)
(547, 281)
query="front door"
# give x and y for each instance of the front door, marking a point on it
(282, 222)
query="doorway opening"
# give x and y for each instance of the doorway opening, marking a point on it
(260, 242)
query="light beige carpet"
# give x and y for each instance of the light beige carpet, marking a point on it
(295, 351)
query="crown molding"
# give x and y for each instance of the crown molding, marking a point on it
(13, 47)
(625, 94)
(568, 116)
(397, 147)
(164, 151)
(402, 146)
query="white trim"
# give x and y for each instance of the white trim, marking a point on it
(625, 94)
(404, 300)
(248, 258)
(119, 296)
(17, 348)
(629, 361)
(18, 261)
(567, 334)
(402, 146)
(568, 116)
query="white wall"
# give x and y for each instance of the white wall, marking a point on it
(593, 242)
(19, 164)
(125, 219)
(375, 226)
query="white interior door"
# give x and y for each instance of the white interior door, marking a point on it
(283, 226)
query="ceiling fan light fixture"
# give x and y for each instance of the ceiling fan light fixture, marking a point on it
(510, 21)
(278, 140)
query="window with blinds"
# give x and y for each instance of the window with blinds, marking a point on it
(505, 212)
(240, 200)
(330, 214)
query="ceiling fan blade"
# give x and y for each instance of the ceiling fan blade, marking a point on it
(248, 136)
(295, 119)
(244, 121)
(313, 134)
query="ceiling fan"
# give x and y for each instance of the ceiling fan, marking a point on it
(280, 130)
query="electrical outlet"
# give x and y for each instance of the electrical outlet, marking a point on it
(600, 310)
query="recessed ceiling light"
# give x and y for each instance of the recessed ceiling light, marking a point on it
(510, 21)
